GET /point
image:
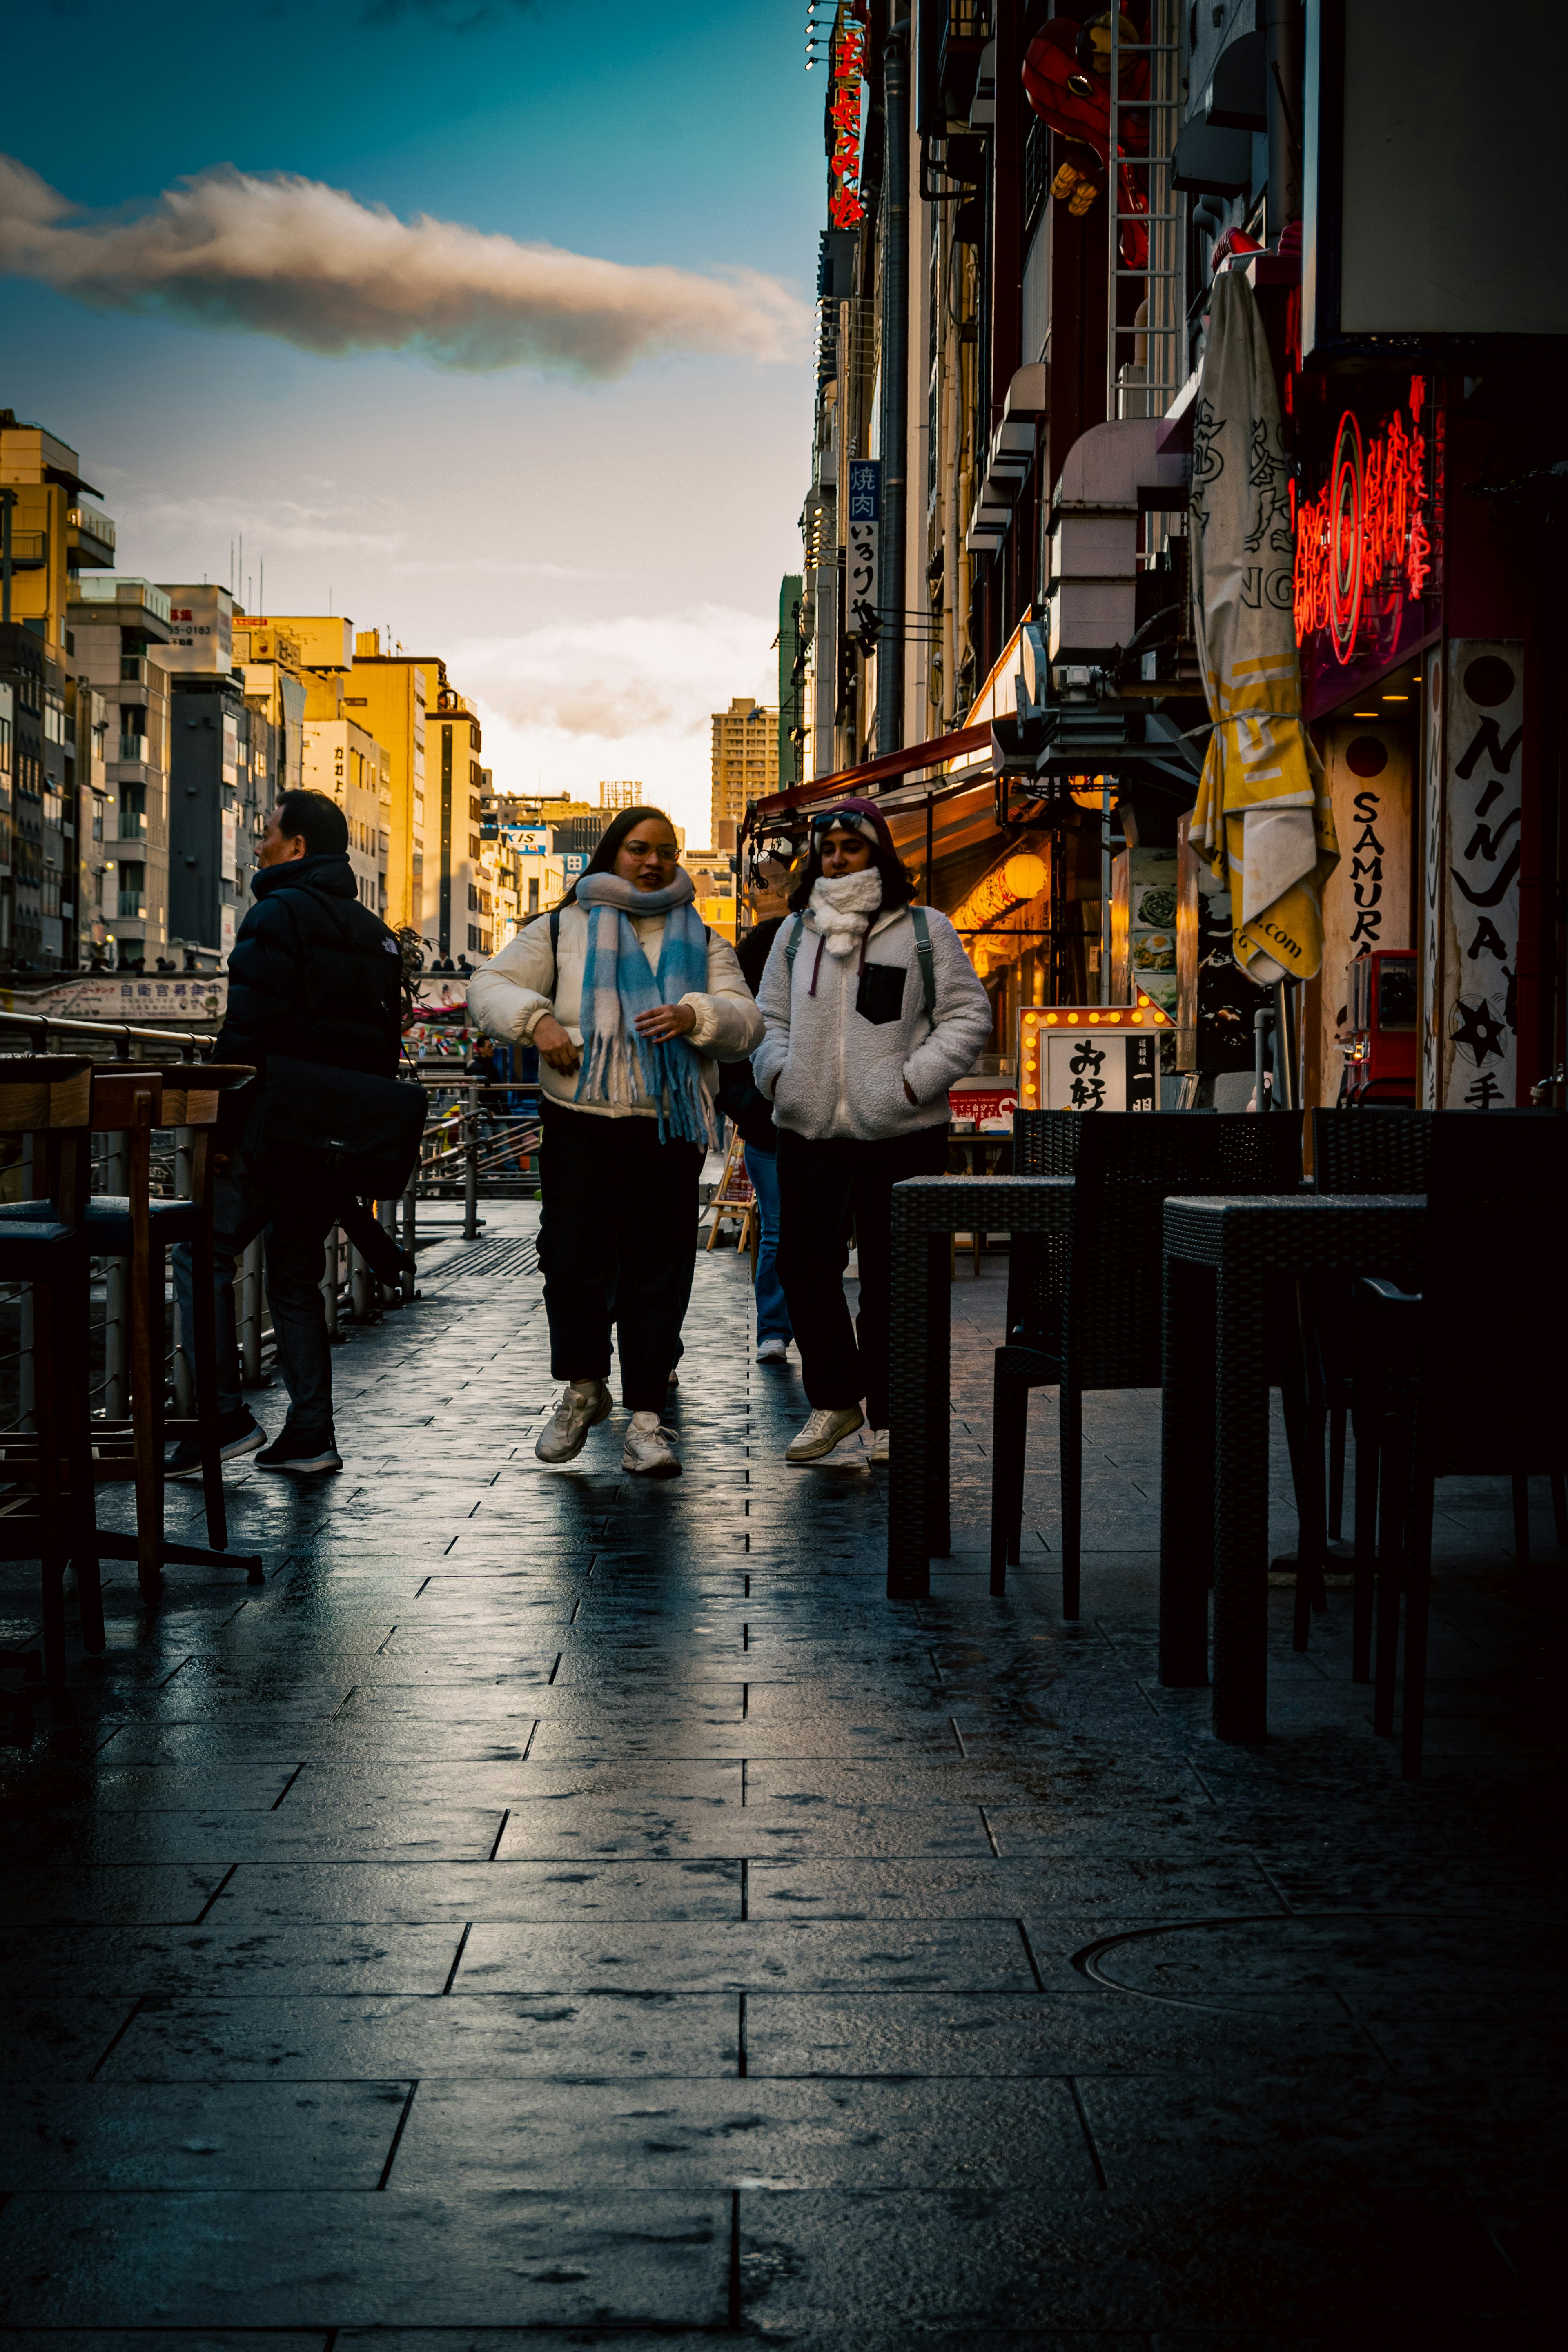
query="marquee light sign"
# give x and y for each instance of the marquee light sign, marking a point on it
(1364, 543)
(844, 207)
(1090, 1056)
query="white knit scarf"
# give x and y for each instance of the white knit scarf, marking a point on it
(842, 907)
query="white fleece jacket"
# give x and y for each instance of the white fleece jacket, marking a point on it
(829, 1071)
(511, 994)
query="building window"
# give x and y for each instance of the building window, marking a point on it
(132, 888)
(533, 895)
(474, 938)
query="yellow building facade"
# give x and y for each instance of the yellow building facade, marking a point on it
(54, 532)
(346, 762)
(745, 761)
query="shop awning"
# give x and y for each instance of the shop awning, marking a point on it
(917, 759)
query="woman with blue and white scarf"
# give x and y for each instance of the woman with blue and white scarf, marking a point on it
(632, 1003)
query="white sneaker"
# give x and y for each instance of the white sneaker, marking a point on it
(877, 1451)
(583, 1405)
(823, 1431)
(774, 1351)
(648, 1449)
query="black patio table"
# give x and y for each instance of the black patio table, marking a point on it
(1225, 1259)
(926, 1210)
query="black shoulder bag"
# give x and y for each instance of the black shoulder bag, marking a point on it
(333, 1129)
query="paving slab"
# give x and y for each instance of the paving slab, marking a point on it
(556, 1911)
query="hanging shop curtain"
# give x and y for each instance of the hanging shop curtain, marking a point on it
(1264, 819)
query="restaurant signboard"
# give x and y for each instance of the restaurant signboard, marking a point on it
(1369, 539)
(1471, 895)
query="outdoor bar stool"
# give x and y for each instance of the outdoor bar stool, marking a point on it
(1083, 1309)
(142, 1229)
(48, 1098)
(132, 1100)
(1466, 1377)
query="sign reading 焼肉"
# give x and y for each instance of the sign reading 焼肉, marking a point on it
(1473, 894)
(861, 526)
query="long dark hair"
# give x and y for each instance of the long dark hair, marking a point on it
(603, 861)
(898, 883)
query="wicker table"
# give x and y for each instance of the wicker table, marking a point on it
(1223, 1259)
(926, 1210)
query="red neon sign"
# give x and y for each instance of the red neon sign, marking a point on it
(845, 208)
(1364, 536)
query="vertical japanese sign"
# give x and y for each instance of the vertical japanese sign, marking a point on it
(1435, 740)
(1485, 714)
(1366, 899)
(861, 525)
(845, 208)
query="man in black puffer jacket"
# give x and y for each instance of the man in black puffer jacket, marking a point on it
(313, 977)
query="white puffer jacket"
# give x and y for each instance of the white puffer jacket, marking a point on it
(829, 1070)
(509, 995)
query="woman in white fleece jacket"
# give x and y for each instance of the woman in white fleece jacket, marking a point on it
(631, 1004)
(872, 1011)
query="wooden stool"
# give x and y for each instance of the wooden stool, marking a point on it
(132, 1100)
(135, 1226)
(43, 1242)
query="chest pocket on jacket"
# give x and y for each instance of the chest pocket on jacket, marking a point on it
(880, 995)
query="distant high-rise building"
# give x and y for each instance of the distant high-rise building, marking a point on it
(745, 758)
(622, 795)
(792, 680)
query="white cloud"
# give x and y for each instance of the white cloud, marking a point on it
(274, 254)
(570, 703)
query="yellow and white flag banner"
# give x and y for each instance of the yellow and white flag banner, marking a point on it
(1264, 818)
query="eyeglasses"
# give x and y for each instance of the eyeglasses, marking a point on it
(670, 856)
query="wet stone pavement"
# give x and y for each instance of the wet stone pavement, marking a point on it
(556, 1909)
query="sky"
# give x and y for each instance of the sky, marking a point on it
(485, 322)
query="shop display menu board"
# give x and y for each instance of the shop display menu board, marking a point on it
(1091, 1058)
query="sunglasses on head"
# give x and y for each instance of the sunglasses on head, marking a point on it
(846, 820)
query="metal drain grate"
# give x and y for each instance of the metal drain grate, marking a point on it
(485, 1262)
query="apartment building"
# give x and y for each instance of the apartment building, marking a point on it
(268, 658)
(344, 759)
(120, 626)
(54, 533)
(463, 919)
(745, 758)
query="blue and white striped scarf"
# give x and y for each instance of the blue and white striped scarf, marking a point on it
(618, 983)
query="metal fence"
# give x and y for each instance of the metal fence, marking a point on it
(481, 1143)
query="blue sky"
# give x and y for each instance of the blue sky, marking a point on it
(597, 556)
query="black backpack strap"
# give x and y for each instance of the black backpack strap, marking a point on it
(790, 951)
(926, 960)
(555, 939)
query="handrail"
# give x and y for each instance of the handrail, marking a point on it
(122, 1032)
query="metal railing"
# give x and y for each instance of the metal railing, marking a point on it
(481, 1143)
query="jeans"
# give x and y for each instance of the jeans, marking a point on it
(772, 1313)
(618, 1238)
(825, 1186)
(297, 1224)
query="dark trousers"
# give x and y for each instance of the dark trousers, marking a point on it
(297, 1223)
(617, 1235)
(825, 1187)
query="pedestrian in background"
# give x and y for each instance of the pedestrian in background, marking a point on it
(740, 1099)
(630, 999)
(872, 1011)
(313, 977)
